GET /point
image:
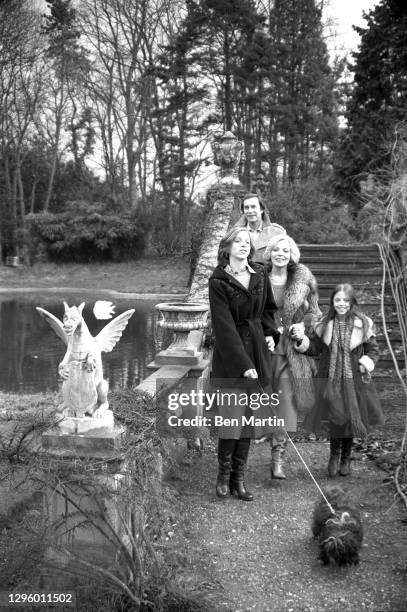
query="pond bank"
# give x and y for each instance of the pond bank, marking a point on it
(84, 290)
(157, 276)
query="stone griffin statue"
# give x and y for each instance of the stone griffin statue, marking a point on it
(84, 390)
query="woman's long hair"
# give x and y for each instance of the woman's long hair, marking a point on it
(354, 310)
(224, 246)
(294, 252)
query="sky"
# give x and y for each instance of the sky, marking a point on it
(344, 14)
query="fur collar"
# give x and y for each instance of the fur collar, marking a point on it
(301, 285)
(357, 338)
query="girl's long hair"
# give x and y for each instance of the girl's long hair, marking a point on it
(354, 310)
(224, 245)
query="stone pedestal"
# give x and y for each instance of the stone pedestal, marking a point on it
(104, 440)
(82, 425)
(85, 503)
(174, 356)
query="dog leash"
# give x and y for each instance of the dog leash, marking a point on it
(301, 458)
(310, 473)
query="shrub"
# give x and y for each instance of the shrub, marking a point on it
(85, 233)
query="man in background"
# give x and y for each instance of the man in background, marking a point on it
(256, 219)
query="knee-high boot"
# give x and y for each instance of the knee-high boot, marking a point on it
(344, 468)
(277, 456)
(239, 460)
(225, 452)
(335, 444)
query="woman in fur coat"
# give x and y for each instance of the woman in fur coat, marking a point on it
(295, 292)
(346, 398)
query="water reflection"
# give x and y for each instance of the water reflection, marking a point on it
(30, 351)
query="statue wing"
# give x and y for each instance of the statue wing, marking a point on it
(112, 332)
(55, 323)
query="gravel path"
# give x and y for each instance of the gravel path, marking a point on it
(261, 556)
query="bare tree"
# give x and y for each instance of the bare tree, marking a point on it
(124, 38)
(20, 91)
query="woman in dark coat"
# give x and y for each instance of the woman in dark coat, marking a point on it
(242, 312)
(346, 397)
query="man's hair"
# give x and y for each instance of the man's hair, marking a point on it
(249, 196)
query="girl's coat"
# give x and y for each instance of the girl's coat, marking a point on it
(363, 351)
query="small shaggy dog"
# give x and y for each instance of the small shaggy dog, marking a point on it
(340, 535)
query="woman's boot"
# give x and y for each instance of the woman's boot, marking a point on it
(277, 454)
(239, 459)
(333, 464)
(225, 452)
(344, 469)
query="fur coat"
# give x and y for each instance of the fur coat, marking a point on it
(300, 304)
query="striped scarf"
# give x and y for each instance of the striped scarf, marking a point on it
(340, 390)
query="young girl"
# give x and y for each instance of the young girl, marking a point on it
(347, 399)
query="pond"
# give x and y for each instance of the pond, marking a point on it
(30, 351)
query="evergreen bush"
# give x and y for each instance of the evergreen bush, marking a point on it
(86, 233)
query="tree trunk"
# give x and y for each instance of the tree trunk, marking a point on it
(227, 88)
(55, 152)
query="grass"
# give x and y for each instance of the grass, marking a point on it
(148, 275)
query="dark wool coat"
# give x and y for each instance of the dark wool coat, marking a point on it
(364, 349)
(241, 318)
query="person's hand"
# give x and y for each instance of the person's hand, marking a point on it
(270, 343)
(250, 373)
(63, 370)
(297, 331)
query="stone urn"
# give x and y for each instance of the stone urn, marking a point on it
(181, 318)
(227, 151)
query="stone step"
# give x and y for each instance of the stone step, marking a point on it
(326, 289)
(386, 363)
(332, 277)
(360, 256)
(348, 258)
(346, 266)
(339, 248)
(371, 306)
(358, 282)
(396, 345)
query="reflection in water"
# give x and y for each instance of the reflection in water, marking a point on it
(30, 351)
